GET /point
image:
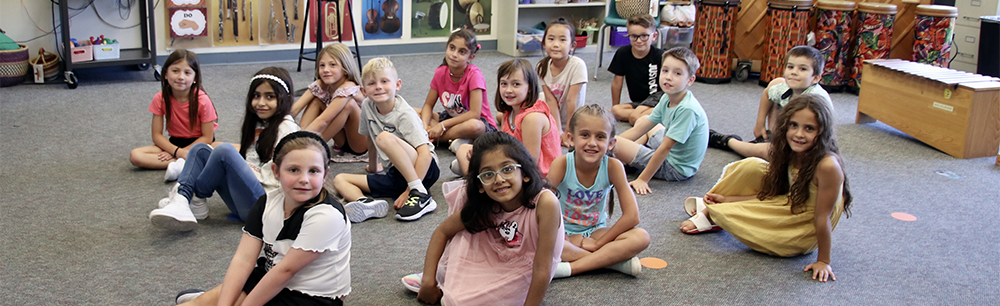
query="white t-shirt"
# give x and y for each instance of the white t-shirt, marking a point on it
(574, 73)
(402, 121)
(263, 172)
(321, 228)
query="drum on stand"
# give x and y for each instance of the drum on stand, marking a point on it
(874, 38)
(788, 26)
(833, 37)
(932, 34)
(714, 27)
(437, 18)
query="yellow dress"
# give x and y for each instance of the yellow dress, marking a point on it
(767, 226)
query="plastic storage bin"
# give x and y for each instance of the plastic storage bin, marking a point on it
(671, 36)
(83, 53)
(105, 52)
(619, 36)
(529, 39)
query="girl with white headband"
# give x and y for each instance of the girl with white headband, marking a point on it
(240, 174)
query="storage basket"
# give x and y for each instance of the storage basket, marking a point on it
(82, 53)
(109, 51)
(49, 62)
(628, 8)
(13, 66)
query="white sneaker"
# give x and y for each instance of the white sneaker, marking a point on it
(456, 168)
(365, 208)
(187, 296)
(199, 208)
(173, 170)
(175, 216)
(455, 143)
(163, 202)
(173, 191)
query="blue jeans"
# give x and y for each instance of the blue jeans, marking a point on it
(221, 170)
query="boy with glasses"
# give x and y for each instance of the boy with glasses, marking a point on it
(638, 65)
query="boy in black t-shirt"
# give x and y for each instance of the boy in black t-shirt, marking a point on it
(638, 65)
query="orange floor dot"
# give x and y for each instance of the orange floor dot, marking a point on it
(653, 263)
(904, 216)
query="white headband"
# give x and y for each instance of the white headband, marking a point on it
(272, 78)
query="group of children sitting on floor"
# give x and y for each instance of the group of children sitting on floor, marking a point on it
(526, 213)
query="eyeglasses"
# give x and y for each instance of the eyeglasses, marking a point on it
(490, 177)
(638, 37)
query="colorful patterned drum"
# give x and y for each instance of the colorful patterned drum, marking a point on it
(788, 25)
(833, 37)
(932, 34)
(874, 38)
(713, 39)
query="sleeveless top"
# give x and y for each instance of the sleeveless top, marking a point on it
(550, 147)
(317, 91)
(584, 208)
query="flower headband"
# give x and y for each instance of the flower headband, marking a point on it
(272, 78)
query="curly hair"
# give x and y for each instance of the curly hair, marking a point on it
(776, 181)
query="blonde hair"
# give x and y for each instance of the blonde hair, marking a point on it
(376, 65)
(343, 55)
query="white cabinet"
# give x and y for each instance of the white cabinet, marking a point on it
(967, 32)
(510, 16)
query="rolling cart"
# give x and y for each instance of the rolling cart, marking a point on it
(143, 57)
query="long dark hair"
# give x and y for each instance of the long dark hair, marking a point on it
(543, 65)
(480, 208)
(470, 42)
(776, 179)
(508, 68)
(269, 136)
(167, 93)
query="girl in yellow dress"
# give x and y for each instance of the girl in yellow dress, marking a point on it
(790, 204)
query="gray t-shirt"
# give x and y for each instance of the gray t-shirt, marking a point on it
(402, 121)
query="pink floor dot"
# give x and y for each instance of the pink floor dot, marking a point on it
(904, 216)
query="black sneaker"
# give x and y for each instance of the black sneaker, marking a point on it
(418, 205)
(720, 141)
(365, 208)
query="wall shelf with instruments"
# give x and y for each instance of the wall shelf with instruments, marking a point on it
(526, 16)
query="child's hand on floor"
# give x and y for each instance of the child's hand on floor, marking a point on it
(429, 294)
(821, 270)
(640, 186)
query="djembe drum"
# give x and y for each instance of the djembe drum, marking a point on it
(932, 34)
(873, 40)
(788, 25)
(833, 37)
(713, 37)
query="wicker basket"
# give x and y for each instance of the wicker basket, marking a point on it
(628, 8)
(13, 66)
(49, 62)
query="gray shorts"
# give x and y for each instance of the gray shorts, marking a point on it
(650, 101)
(666, 171)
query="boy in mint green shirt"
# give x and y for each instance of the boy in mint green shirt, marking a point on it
(670, 143)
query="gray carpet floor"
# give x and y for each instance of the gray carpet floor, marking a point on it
(74, 227)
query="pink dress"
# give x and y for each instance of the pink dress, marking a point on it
(550, 148)
(487, 268)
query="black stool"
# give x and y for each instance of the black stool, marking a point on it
(319, 32)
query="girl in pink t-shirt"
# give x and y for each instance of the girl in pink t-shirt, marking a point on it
(461, 89)
(502, 246)
(526, 116)
(190, 114)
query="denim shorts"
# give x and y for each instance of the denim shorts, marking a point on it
(666, 171)
(391, 183)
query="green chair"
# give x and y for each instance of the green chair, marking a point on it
(613, 19)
